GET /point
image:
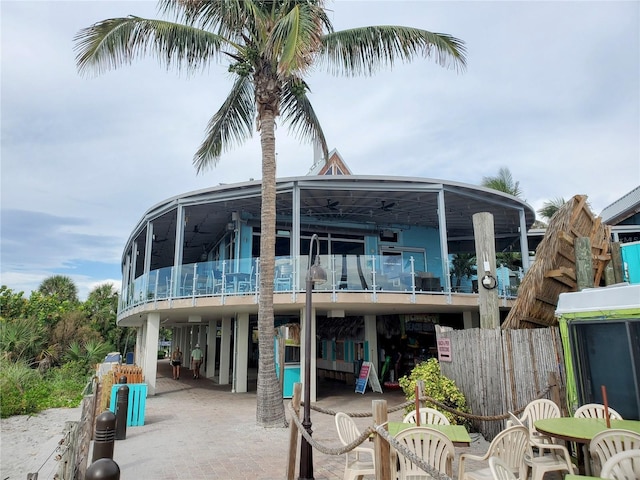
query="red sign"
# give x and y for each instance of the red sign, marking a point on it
(444, 349)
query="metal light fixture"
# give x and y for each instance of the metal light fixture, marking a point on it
(315, 274)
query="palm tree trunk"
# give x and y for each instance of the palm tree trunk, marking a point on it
(270, 407)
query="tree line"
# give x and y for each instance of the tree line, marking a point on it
(51, 341)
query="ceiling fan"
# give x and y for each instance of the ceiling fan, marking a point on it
(386, 206)
(332, 205)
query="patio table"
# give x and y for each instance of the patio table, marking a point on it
(456, 433)
(581, 431)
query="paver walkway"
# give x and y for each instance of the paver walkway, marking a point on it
(195, 429)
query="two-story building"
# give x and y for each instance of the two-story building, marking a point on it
(387, 244)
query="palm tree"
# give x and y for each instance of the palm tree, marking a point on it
(61, 286)
(462, 265)
(550, 207)
(271, 46)
(503, 182)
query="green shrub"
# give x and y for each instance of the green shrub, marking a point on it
(65, 386)
(436, 386)
(16, 379)
(23, 390)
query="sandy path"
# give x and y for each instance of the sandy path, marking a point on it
(27, 440)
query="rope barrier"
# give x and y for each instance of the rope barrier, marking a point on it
(428, 399)
(321, 448)
(380, 430)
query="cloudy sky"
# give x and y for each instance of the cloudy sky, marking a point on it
(551, 92)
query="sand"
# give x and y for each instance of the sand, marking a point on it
(26, 441)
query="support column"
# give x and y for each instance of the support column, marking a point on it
(225, 342)
(151, 351)
(211, 349)
(138, 349)
(483, 232)
(202, 340)
(184, 345)
(467, 319)
(241, 353)
(371, 337)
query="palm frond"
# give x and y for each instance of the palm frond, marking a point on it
(365, 50)
(297, 111)
(115, 42)
(231, 124)
(503, 182)
(229, 18)
(295, 38)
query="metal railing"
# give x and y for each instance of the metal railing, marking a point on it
(372, 274)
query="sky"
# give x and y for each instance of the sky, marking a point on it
(551, 91)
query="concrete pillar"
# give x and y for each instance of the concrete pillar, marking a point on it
(139, 342)
(371, 337)
(184, 345)
(202, 340)
(211, 349)
(483, 232)
(225, 342)
(151, 352)
(241, 353)
(467, 319)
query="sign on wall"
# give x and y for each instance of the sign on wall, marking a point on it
(444, 349)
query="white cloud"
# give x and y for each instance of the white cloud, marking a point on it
(552, 90)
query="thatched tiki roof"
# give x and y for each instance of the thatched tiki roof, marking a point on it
(553, 271)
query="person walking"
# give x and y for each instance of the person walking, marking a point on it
(196, 360)
(176, 361)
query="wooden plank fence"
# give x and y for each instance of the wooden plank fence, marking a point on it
(502, 370)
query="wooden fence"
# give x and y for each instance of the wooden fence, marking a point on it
(502, 370)
(74, 447)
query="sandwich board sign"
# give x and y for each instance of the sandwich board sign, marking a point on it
(368, 375)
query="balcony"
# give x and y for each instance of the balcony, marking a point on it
(372, 274)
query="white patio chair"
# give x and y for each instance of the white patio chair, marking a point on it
(500, 470)
(357, 464)
(427, 416)
(622, 466)
(537, 410)
(510, 445)
(595, 410)
(429, 444)
(607, 443)
(550, 458)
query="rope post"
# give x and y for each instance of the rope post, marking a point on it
(554, 390)
(381, 448)
(293, 432)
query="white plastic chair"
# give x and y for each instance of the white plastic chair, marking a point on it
(595, 410)
(500, 470)
(429, 444)
(622, 466)
(551, 458)
(537, 410)
(510, 445)
(427, 416)
(356, 463)
(607, 443)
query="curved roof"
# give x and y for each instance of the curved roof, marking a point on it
(374, 202)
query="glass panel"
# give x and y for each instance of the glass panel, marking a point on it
(607, 360)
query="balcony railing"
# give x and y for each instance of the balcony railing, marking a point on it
(372, 274)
